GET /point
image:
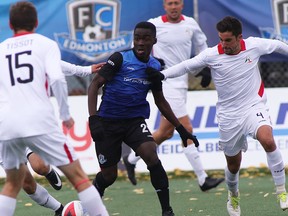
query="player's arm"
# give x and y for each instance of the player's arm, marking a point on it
(167, 112)
(106, 73)
(57, 81)
(72, 69)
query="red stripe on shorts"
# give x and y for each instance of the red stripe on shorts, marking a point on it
(68, 153)
(261, 89)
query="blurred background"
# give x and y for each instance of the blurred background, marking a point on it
(88, 31)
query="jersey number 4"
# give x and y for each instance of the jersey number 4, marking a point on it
(19, 65)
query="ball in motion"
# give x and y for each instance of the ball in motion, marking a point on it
(74, 208)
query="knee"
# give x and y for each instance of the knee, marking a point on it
(110, 177)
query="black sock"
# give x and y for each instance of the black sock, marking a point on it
(160, 182)
(100, 183)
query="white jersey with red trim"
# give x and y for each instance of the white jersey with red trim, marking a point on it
(236, 77)
(26, 70)
(174, 45)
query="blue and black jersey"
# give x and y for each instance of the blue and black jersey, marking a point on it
(126, 88)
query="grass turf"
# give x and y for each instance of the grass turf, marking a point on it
(122, 198)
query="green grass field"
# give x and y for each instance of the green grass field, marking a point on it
(124, 199)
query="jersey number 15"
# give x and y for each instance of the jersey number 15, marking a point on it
(19, 65)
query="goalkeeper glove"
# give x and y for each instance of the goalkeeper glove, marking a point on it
(185, 135)
(154, 75)
(206, 76)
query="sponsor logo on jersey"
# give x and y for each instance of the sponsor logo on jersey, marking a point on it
(93, 30)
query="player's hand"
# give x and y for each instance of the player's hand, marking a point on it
(154, 75)
(97, 67)
(162, 63)
(68, 124)
(185, 135)
(206, 77)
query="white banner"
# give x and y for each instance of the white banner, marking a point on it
(201, 108)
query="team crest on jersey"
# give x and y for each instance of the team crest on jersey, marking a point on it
(280, 20)
(93, 29)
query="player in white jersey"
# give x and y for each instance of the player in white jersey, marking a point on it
(37, 164)
(241, 106)
(172, 50)
(29, 62)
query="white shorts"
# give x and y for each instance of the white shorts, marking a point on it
(52, 148)
(233, 133)
(177, 99)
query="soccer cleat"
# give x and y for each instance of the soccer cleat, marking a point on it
(168, 212)
(58, 212)
(283, 200)
(130, 170)
(211, 183)
(233, 205)
(54, 179)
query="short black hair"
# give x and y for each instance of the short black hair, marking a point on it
(23, 15)
(230, 24)
(147, 25)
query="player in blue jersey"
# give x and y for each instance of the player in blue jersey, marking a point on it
(123, 110)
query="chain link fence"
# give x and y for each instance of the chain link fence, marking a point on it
(274, 74)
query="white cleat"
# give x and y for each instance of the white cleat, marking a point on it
(233, 205)
(283, 200)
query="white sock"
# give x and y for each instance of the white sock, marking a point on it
(43, 198)
(232, 181)
(276, 166)
(7, 205)
(193, 157)
(132, 158)
(92, 202)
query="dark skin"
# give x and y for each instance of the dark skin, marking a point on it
(143, 43)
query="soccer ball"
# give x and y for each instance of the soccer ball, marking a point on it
(93, 33)
(74, 208)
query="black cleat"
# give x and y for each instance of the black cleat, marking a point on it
(58, 212)
(168, 212)
(54, 179)
(130, 170)
(211, 183)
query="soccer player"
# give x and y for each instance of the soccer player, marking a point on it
(123, 110)
(241, 106)
(30, 64)
(37, 164)
(172, 50)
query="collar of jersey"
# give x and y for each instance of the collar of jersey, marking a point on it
(23, 33)
(165, 19)
(242, 44)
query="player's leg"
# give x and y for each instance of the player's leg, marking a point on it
(232, 182)
(275, 163)
(143, 144)
(158, 176)
(54, 149)
(10, 190)
(39, 166)
(39, 194)
(87, 193)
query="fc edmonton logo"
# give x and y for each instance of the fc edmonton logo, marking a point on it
(93, 30)
(280, 20)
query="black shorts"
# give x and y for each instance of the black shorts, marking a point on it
(109, 134)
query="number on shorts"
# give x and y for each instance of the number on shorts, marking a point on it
(144, 128)
(260, 114)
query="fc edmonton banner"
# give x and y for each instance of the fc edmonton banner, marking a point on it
(260, 18)
(88, 31)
